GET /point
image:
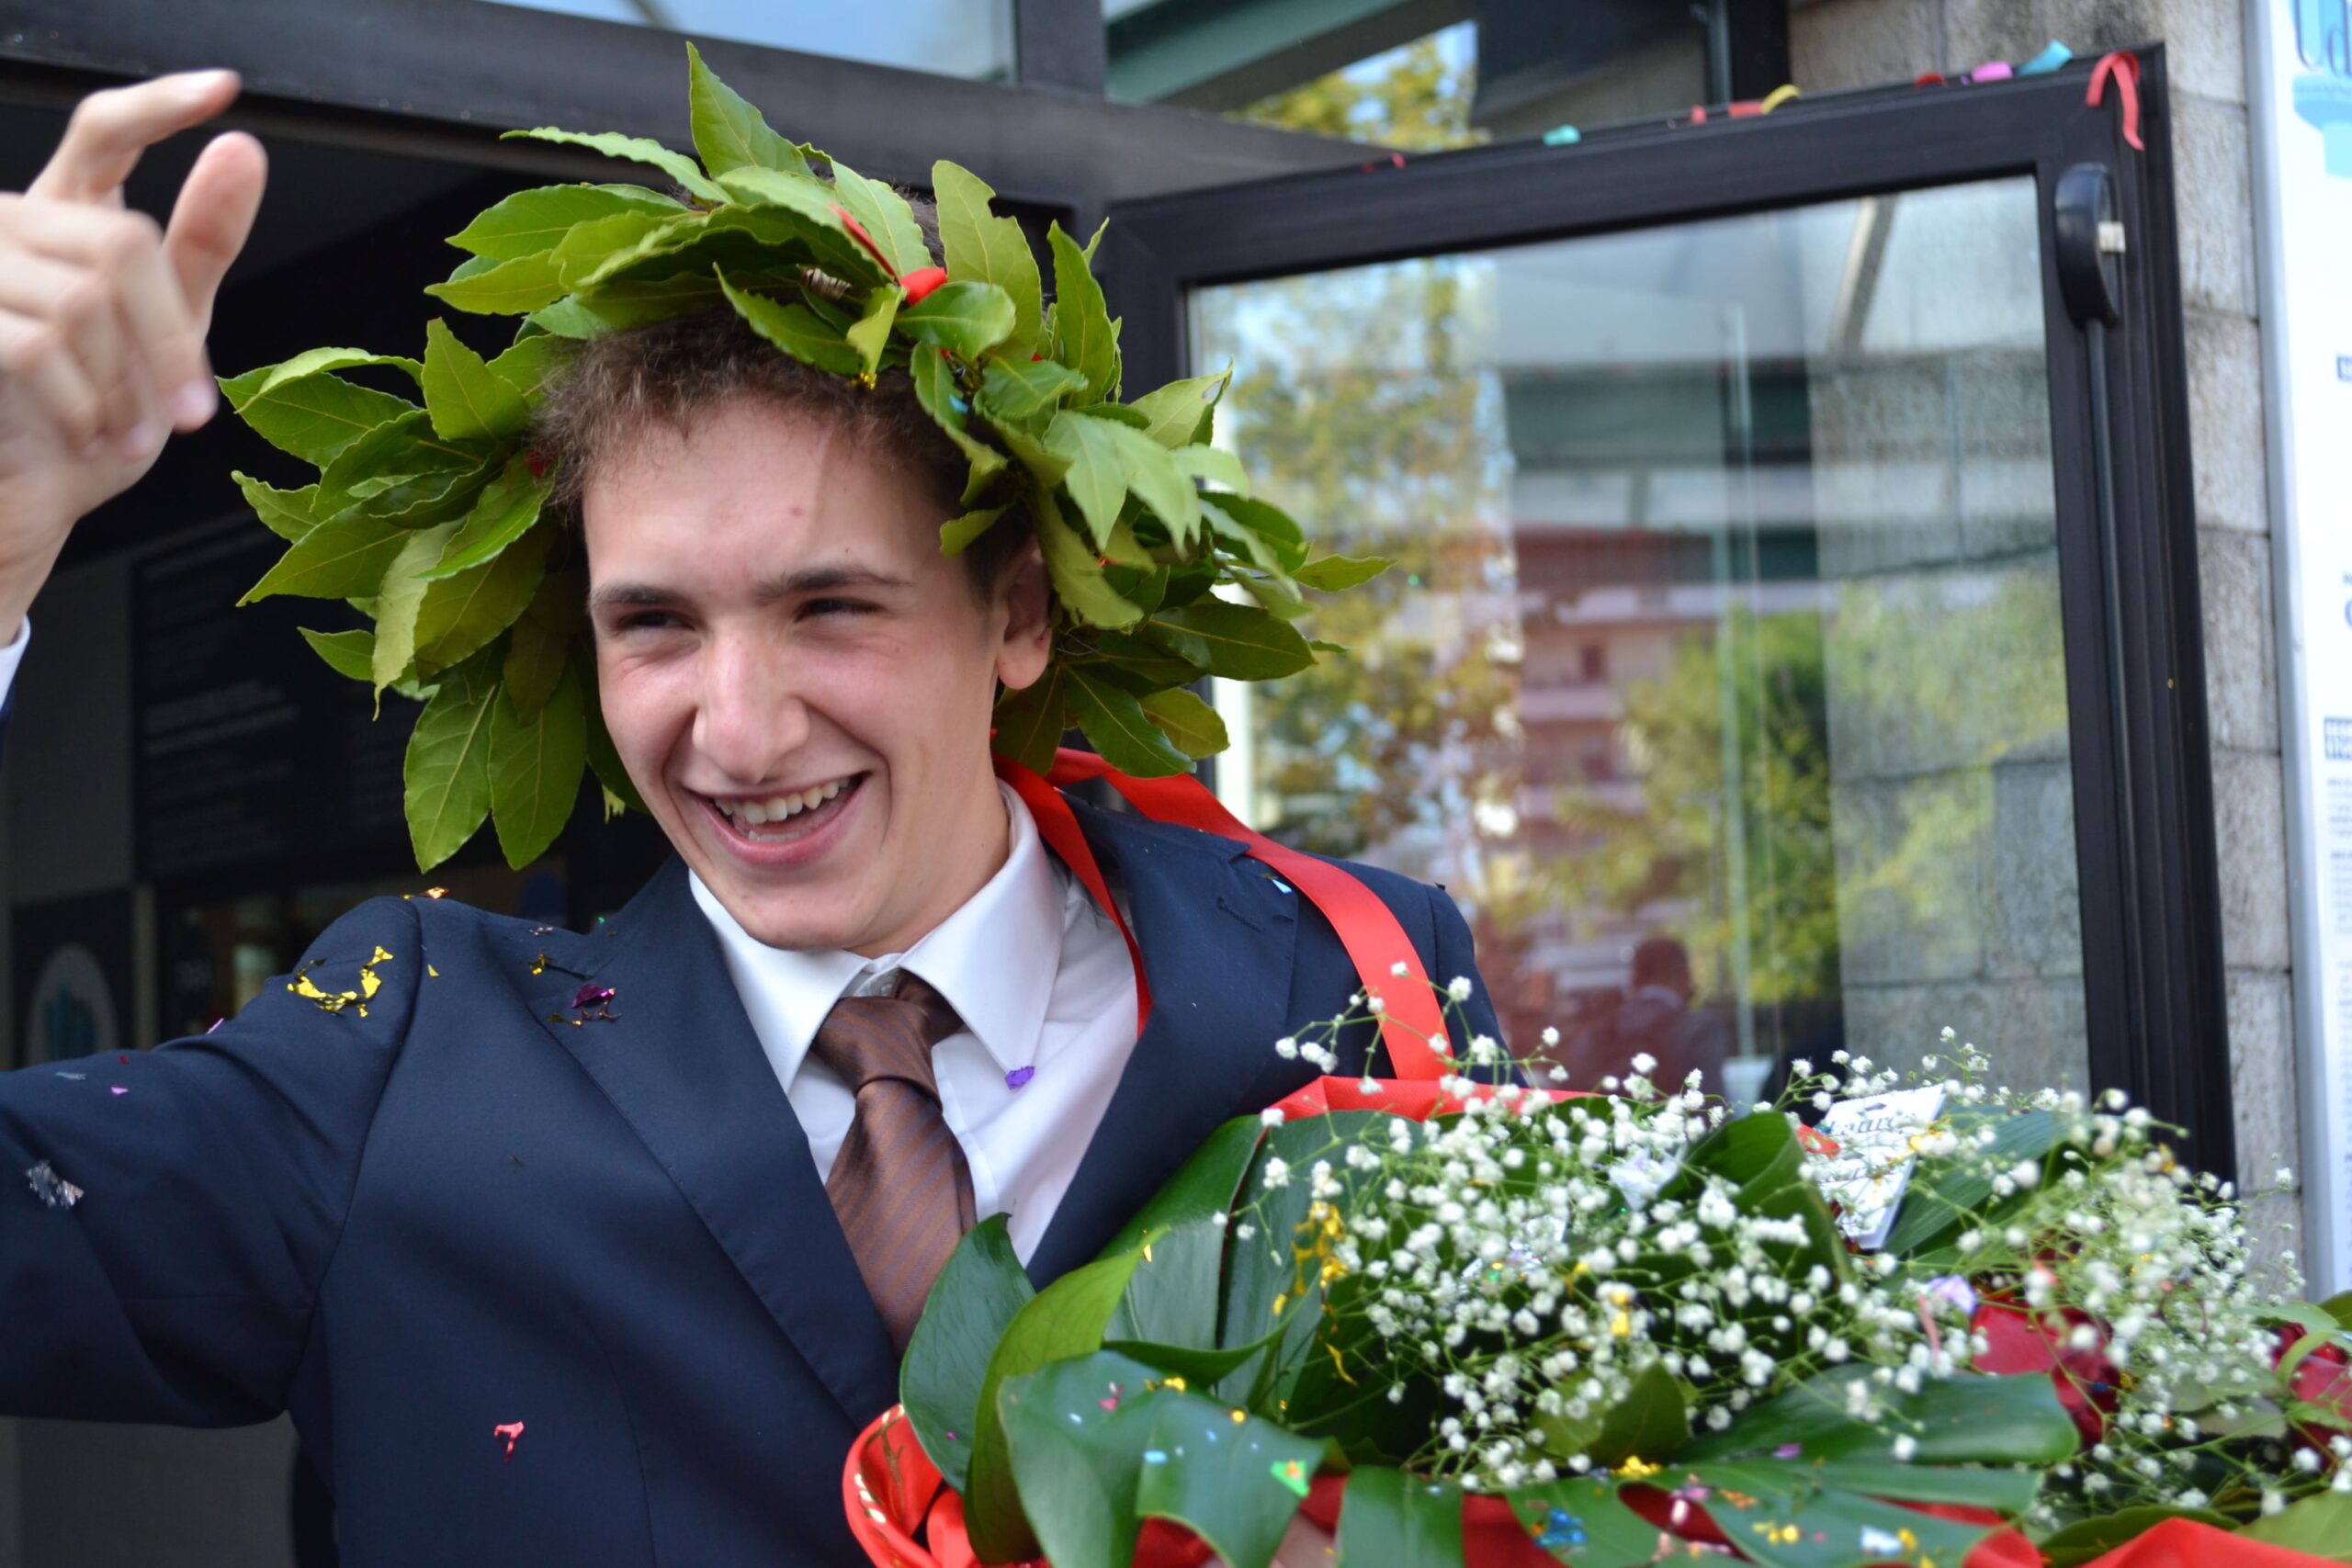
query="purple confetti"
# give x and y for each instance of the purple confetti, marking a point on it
(53, 1191)
(591, 996)
(1955, 1289)
(1018, 1077)
(216, 1024)
(119, 1090)
(1788, 1450)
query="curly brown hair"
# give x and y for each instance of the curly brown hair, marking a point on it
(669, 371)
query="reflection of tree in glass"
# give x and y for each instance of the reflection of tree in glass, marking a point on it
(1352, 402)
(1414, 97)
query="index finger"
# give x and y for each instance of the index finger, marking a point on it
(110, 130)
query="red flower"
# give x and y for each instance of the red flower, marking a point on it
(921, 281)
(2323, 1378)
(2018, 1339)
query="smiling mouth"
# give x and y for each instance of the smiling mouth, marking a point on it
(773, 818)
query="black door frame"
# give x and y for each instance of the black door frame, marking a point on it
(2135, 673)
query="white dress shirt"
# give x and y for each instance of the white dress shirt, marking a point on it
(1041, 980)
(14, 655)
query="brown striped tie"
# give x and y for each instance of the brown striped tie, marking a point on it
(899, 1184)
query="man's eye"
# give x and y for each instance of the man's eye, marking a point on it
(646, 620)
(836, 607)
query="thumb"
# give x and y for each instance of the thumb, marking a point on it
(213, 215)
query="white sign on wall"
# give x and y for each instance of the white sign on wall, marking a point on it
(2300, 95)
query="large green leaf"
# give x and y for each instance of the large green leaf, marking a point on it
(1021, 390)
(1205, 1184)
(884, 215)
(2318, 1526)
(1333, 573)
(1077, 573)
(635, 148)
(967, 319)
(974, 1300)
(603, 758)
(957, 533)
(870, 333)
(531, 363)
(1651, 1421)
(934, 379)
(534, 664)
(350, 653)
(285, 512)
(531, 221)
(1064, 1320)
(446, 772)
(500, 514)
(1393, 1521)
(1190, 724)
(1946, 1192)
(1098, 469)
(1793, 1523)
(1581, 1523)
(1030, 723)
(534, 765)
(267, 378)
(1116, 727)
(1235, 641)
(2003, 1490)
(729, 132)
(1173, 1298)
(311, 416)
(342, 558)
(401, 459)
(1240, 520)
(397, 603)
(506, 288)
(462, 396)
(1084, 337)
(464, 613)
(984, 248)
(2086, 1540)
(1179, 410)
(794, 329)
(1235, 1483)
(607, 247)
(1080, 1449)
(1967, 1420)
(783, 210)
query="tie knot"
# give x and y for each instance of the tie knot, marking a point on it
(868, 1039)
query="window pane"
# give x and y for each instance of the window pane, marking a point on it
(1719, 676)
(951, 37)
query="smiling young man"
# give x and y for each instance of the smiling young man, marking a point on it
(602, 1248)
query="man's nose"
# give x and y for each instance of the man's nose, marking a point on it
(753, 716)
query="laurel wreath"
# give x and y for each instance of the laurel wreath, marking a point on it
(428, 515)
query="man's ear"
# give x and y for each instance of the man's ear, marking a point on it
(1025, 597)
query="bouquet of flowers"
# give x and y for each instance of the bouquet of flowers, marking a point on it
(1479, 1323)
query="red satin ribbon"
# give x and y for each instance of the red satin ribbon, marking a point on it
(2123, 66)
(1413, 1027)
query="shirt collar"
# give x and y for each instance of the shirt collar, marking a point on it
(994, 959)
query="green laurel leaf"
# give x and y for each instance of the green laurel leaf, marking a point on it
(1030, 723)
(446, 774)
(505, 288)
(534, 664)
(884, 215)
(350, 653)
(1232, 640)
(1178, 411)
(463, 397)
(794, 330)
(397, 603)
(1084, 336)
(1257, 526)
(401, 459)
(635, 148)
(604, 760)
(967, 319)
(1190, 724)
(934, 380)
(729, 132)
(1107, 459)
(285, 512)
(956, 535)
(604, 247)
(1117, 726)
(313, 415)
(531, 363)
(531, 221)
(870, 333)
(1333, 573)
(1020, 389)
(500, 514)
(629, 303)
(783, 209)
(984, 248)
(341, 558)
(1077, 573)
(534, 765)
(463, 613)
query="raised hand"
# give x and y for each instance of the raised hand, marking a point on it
(102, 314)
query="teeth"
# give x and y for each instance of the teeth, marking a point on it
(755, 813)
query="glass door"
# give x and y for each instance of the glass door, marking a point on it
(1736, 672)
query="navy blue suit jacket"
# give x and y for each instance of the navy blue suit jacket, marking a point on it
(463, 1210)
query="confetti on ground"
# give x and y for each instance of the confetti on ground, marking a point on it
(1291, 1474)
(53, 1191)
(119, 1090)
(216, 1024)
(512, 1431)
(76, 1077)
(1018, 1077)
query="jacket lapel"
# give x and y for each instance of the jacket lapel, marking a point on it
(681, 1064)
(1219, 937)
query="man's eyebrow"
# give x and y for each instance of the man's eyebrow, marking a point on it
(812, 579)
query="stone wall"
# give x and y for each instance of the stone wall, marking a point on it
(1844, 43)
